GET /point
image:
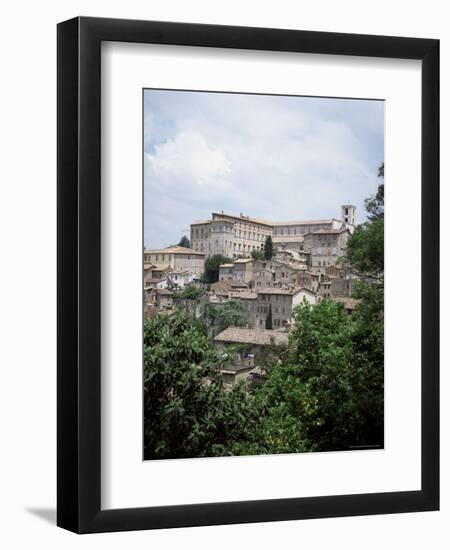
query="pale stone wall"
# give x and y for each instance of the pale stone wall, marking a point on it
(239, 236)
(281, 309)
(193, 264)
(325, 248)
(200, 237)
(176, 260)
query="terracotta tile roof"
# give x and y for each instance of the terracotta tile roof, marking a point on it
(260, 337)
(175, 250)
(275, 290)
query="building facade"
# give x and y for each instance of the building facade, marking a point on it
(176, 258)
(239, 236)
(325, 247)
(281, 303)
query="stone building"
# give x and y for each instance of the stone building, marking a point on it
(281, 302)
(238, 236)
(292, 234)
(231, 236)
(307, 279)
(348, 214)
(325, 289)
(243, 270)
(163, 299)
(343, 286)
(176, 258)
(251, 344)
(226, 272)
(326, 246)
(180, 279)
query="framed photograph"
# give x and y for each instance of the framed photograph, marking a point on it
(248, 275)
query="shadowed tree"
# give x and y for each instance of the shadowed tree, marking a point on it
(212, 265)
(269, 325)
(268, 248)
(184, 241)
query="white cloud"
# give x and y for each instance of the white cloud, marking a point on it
(270, 157)
(188, 159)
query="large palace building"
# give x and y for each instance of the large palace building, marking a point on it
(238, 236)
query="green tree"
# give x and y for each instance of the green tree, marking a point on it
(231, 313)
(365, 250)
(191, 293)
(187, 411)
(257, 255)
(184, 241)
(269, 325)
(326, 392)
(212, 264)
(375, 204)
(365, 247)
(268, 248)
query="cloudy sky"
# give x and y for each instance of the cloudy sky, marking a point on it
(273, 157)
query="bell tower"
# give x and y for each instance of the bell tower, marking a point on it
(348, 214)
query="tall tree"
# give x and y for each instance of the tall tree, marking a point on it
(268, 248)
(375, 204)
(184, 241)
(269, 325)
(365, 247)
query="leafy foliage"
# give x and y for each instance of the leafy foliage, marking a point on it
(231, 313)
(191, 293)
(326, 393)
(212, 265)
(365, 248)
(375, 204)
(257, 255)
(187, 412)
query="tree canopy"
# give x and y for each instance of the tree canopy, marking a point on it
(187, 411)
(365, 247)
(257, 254)
(191, 293)
(231, 313)
(268, 248)
(184, 241)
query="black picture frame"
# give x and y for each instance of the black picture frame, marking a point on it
(79, 281)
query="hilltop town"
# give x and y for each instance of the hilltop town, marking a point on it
(268, 268)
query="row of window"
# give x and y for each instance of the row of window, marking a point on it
(202, 233)
(276, 323)
(302, 230)
(148, 258)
